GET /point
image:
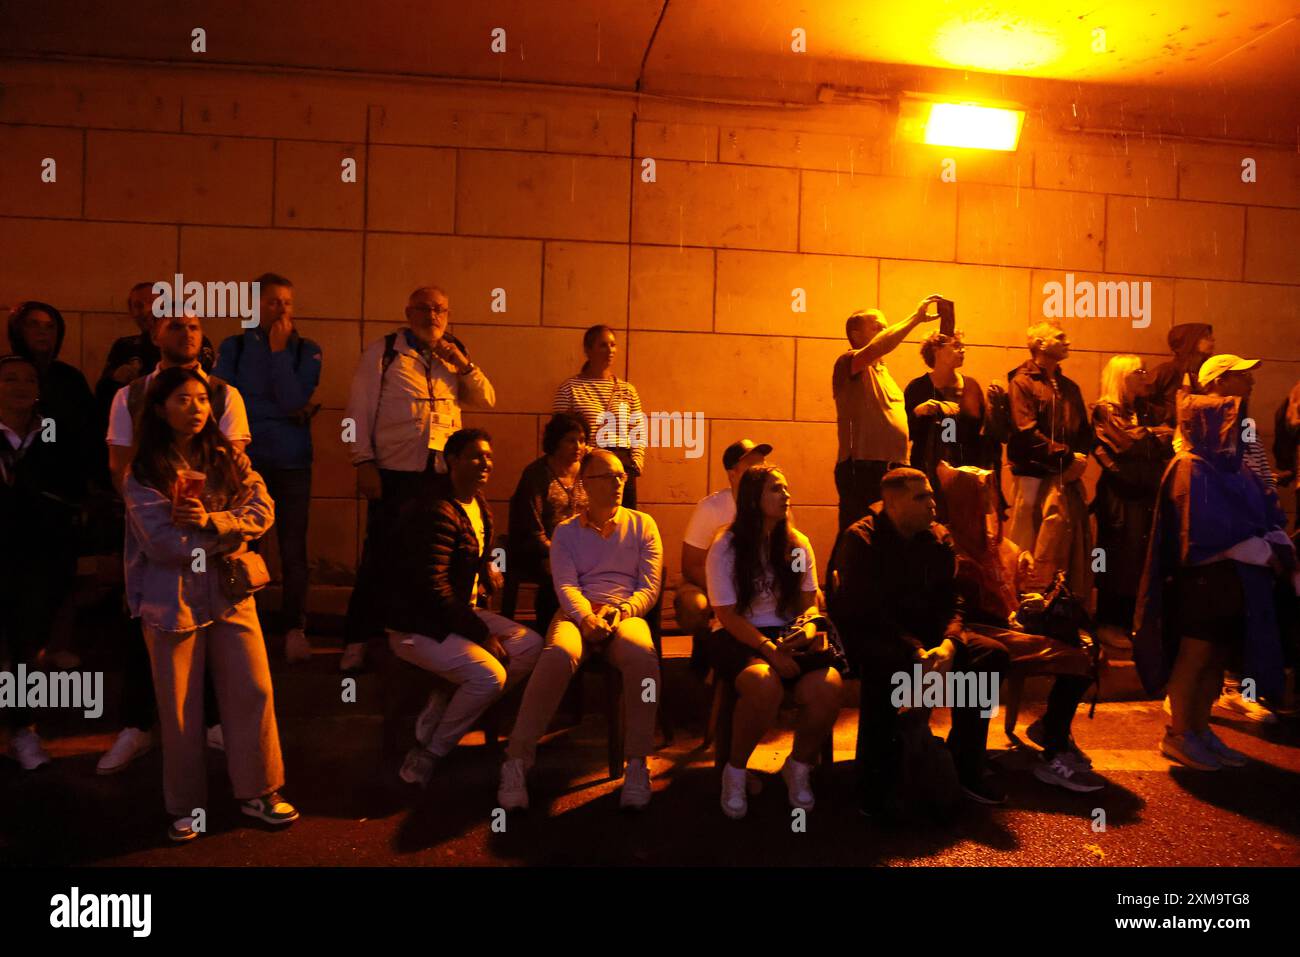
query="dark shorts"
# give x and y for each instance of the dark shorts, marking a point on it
(728, 657)
(1207, 602)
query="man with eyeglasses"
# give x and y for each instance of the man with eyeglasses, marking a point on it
(406, 401)
(607, 562)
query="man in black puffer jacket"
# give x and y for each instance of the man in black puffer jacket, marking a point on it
(441, 561)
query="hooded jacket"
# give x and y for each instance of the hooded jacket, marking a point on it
(1050, 421)
(65, 395)
(1208, 503)
(1158, 408)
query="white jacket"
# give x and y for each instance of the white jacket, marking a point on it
(417, 408)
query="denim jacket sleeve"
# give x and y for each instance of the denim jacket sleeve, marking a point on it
(149, 513)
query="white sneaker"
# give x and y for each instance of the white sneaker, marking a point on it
(130, 744)
(735, 797)
(431, 715)
(797, 783)
(636, 785)
(1233, 702)
(296, 646)
(216, 738)
(512, 792)
(25, 748)
(354, 657)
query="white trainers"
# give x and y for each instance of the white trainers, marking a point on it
(354, 657)
(431, 715)
(735, 796)
(636, 785)
(512, 792)
(296, 646)
(216, 738)
(797, 783)
(1233, 702)
(130, 744)
(25, 748)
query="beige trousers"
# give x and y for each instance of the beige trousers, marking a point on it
(235, 651)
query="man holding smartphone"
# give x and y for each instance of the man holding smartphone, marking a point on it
(870, 413)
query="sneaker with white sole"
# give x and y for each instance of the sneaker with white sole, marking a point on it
(735, 796)
(1229, 757)
(1037, 734)
(1235, 704)
(418, 767)
(354, 657)
(296, 646)
(512, 791)
(271, 808)
(636, 785)
(431, 715)
(129, 745)
(216, 738)
(25, 748)
(182, 830)
(797, 783)
(1065, 773)
(1189, 750)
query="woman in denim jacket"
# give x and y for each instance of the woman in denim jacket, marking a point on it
(176, 552)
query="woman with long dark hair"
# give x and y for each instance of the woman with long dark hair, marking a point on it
(762, 579)
(549, 491)
(610, 406)
(193, 503)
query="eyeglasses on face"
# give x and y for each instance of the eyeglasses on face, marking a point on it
(619, 477)
(436, 310)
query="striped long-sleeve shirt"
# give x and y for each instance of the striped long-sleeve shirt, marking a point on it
(606, 402)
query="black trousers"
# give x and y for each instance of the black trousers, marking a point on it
(365, 618)
(880, 747)
(291, 491)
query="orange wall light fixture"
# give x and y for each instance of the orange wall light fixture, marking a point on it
(970, 126)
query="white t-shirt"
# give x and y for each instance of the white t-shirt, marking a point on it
(763, 611)
(475, 514)
(233, 424)
(711, 513)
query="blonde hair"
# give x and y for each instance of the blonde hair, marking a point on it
(1041, 332)
(1112, 378)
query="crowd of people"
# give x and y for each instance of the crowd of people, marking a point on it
(188, 456)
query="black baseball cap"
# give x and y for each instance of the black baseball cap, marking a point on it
(738, 450)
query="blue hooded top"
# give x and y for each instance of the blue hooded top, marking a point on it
(1208, 503)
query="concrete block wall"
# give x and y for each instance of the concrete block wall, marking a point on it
(543, 194)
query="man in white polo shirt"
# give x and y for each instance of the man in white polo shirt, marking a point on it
(711, 513)
(180, 339)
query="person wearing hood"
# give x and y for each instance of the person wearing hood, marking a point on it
(41, 490)
(36, 332)
(1191, 343)
(1217, 545)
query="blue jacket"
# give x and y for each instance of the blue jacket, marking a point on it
(275, 385)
